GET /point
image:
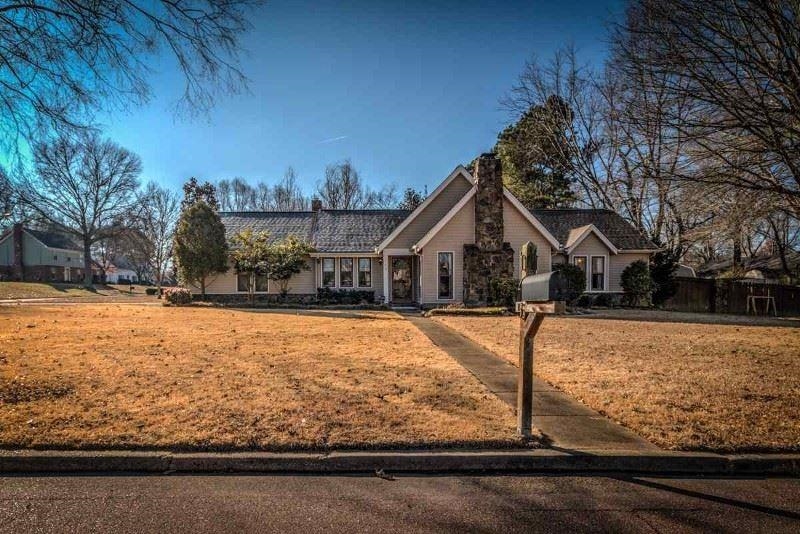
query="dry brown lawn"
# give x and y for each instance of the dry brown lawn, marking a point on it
(682, 386)
(126, 375)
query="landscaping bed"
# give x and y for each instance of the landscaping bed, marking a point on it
(684, 386)
(151, 377)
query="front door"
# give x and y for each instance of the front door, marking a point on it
(402, 280)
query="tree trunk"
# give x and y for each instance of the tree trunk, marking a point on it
(203, 289)
(87, 263)
(737, 249)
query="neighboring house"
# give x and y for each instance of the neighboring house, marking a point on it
(765, 267)
(39, 255)
(119, 269)
(469, 229)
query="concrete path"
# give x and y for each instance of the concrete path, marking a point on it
(567, 423)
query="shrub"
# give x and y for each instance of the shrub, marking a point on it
(574, 281)
(636, 283)
(326, 295)
(151, 290)
(662, 274)
(503, 291)
(585, 301)
(603, 299)
(178, 296)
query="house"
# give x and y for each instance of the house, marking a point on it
(119, 271)
(768, 267)
(469, 229)
(39, 255)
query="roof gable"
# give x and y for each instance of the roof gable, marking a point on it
(619, 232)
(441, 200)
(53, 239)
(576, 236)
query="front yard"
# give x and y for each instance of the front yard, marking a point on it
(682, 386)
(126, 375)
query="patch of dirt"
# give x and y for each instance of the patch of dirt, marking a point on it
(17, 391)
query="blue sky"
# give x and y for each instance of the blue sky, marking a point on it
(406, 90)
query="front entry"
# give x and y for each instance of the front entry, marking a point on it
(402, 279)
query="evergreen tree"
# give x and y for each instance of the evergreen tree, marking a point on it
(200, 248)
(534, 155)
(411, 199)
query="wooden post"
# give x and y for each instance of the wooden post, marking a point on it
(529, 326)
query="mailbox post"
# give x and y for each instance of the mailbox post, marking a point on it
(538, 297)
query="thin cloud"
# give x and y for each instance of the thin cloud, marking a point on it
(333, 139)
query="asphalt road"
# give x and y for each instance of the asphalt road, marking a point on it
(310, 504)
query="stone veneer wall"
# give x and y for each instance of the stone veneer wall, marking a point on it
(489, 257)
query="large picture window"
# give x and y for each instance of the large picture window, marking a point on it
(328, 272)
(345, 272)
(598, 273)
(445, 272)
(364, 272)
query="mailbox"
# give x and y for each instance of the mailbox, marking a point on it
(543, 287)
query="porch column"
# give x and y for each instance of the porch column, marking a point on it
(387, 295)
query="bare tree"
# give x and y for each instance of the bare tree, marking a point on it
(157, 224)
(62, 60)
(287, 194)
(84, 187)
(343, 189)
(737, 62)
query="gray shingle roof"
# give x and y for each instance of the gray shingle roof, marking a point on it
(620, 232)
(54, 239)
(279, 224)
(326, 231)
(354, 230)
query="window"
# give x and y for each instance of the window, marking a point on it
(328, 272)
(445, 275)
(55, 257)
(364, 272)
(580, 261)
(598, 273)
(243, 282)
(69, 258)
(345, 272)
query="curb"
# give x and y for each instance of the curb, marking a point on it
(528, 461)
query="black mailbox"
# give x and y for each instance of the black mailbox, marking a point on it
(543, 287)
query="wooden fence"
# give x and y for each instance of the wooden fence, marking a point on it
(730, 296)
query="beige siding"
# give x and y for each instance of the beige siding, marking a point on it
(432, 214)
(225, 283)
(518, 230)
(460, 230)
(592, 246)
(618, 264)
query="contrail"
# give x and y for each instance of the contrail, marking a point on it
(332, 139)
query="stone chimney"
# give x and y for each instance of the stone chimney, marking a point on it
(17, 272)
(316, 204)
(490, 257)
(489, 203)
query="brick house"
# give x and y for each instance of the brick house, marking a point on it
(32, 255)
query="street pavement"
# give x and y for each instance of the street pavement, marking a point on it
(308, 504)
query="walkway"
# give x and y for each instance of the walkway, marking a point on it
(567, 423)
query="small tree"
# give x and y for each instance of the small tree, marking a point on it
(251, 255)
(636, 283)
(663, 266)
(287, 258)
(411, 199)
(200, 247)
(574, 280)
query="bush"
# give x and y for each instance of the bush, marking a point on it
(503, 291)
(151, 290)
(662, 275)
(636, 283)
(326, 295)
(585, 301)
(178, 296)
(603, 299)
(574, 281)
